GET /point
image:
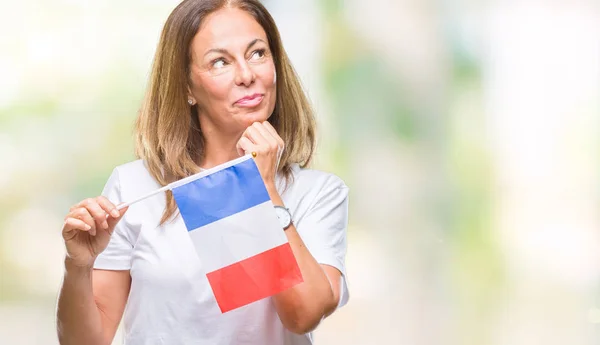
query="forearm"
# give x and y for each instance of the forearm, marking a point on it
(303, 306)
(78, 318)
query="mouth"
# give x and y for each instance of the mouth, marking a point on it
(250, 101)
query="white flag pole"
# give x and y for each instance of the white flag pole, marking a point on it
(163, 189)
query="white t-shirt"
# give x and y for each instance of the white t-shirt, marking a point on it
(171, 302)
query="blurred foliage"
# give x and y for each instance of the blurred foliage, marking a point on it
(366, 97)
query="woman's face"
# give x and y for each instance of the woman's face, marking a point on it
(232, 71)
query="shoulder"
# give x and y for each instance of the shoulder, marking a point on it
(133, 178)
(133, 168)
(311, 188)
(307, 178)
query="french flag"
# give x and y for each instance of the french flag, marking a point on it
(233, 226)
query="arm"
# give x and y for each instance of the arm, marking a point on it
(91, 304)
(303, 306)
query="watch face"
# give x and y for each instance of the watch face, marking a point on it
(284, 217)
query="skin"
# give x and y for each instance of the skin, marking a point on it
(230, 60)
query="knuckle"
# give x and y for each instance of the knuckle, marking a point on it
(97, 215)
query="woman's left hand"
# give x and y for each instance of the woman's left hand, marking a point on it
(263, 139)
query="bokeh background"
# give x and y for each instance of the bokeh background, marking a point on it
(468, 132)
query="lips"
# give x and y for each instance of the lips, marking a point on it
(250, 101)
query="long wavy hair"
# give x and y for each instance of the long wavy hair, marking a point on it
(167, 130)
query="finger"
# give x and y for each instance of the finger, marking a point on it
(265, 133)
(72, 226)
(76, 224)
(280, 142)
(84, 202)
(274, 133)
(245, 146)
(112, 222)
(108, 206)
(254, 135)
(84, 215)
(97, 213)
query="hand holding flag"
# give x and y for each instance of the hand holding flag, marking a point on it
(87, 229)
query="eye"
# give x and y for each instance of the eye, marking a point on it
(257, 54)
(218, 63)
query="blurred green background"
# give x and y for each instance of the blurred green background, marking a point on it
(468, 132)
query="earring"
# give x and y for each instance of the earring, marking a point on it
(190, 102)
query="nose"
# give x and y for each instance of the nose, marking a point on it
(244, 75)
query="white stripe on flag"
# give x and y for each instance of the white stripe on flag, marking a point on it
(238, 237)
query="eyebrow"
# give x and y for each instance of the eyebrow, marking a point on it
(224, 51)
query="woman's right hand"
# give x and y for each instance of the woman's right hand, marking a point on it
(87, 229)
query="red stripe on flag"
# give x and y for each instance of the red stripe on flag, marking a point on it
(255, 278)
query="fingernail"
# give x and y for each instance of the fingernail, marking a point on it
(87, 227)
(105, 225)
(115, 213)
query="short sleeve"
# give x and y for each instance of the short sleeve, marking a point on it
(323, 229)
(117, 255)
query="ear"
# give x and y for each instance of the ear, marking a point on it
(191, 100)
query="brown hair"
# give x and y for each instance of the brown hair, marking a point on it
(167, 131)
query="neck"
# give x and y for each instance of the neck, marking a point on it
(219, 146)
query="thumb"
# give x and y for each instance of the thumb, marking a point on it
(112, 221)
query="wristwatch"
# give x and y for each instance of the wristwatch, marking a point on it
(284, 216)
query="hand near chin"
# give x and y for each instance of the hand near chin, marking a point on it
(262, 141)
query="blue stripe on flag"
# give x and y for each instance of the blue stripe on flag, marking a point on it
(221, 194)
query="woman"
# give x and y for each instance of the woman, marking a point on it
(221, 86)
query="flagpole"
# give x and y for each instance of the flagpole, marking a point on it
(163, 189)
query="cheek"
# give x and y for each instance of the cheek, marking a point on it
(266, 73)
(269, 81)
(213, 88)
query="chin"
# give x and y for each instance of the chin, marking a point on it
(249, 118)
